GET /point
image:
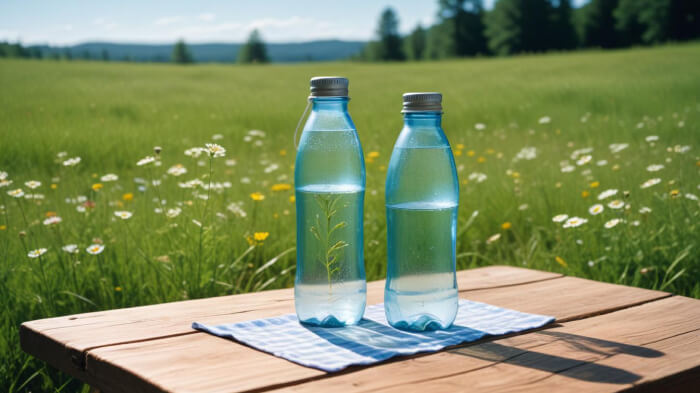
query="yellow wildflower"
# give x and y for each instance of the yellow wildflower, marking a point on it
(515, 175)
(557, 184)
(118, 288)
(458, 153)
(50, 214)
(281, 187)
(585, 194)
(128, 196)
(595, 184)
(674, 193)
(261, 236)
(471, 153)
(506, 225)
(256, 196)
(54, 186)
(3, 227)
(481, 160)
(561, 261)
(292, 198)
(373, 154)
(97, 186)
(490, 151)
(460, 146)
(283, 152)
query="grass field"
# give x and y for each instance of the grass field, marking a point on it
(534, 137)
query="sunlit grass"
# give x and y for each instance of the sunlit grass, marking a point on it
(585, 164)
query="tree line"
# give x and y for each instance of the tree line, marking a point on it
(465, 28)
(253, 51)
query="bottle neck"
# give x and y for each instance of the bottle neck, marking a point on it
(423, 119)
(330, 103)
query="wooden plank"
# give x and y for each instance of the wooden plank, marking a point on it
(620, 350)
(181, 363)
(65, 339)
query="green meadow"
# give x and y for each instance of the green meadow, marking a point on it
(534, 137)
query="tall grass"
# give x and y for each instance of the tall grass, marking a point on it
(521, 129)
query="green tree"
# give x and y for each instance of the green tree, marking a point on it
(390, 45)
(656, 21)
(254, 50)
(462, 28)
(562, 28)
(516, 26)
(415, 43)
(104, 55)
(598, 24)
(181, 54)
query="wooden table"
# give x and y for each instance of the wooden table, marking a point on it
(606, 338)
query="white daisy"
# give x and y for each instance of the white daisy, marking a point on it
(172, 213)
(602, 162)
(480, 126)
(230, 162)
(217, 137)
(618, 147)
(177, 170)
(33, 184)
(3, 175)
(616, 204)
(652, 138)
(95, 249)
(692, 197)
(194, 152)
(560, 217)
(596, 209)
(71, 248)
(655, 167)
(635, 223)
(612, 223)
(72, 161)
(109, 177)
(574, 222)
(607, 194)
(52, 220)
(477, 177)
(36, 253)
(197, 223)
(493, 238)
(215, 150)
(237, 209)
(5, 183)
(584, 160)
(544, 120)
(258, 133)
(146, 161)
(568, 168)
(123, 214)
(18, 193)
(650, 182)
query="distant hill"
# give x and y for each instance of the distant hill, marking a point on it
(207, 53)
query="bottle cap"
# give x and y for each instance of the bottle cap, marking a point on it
(329, 86)
(422, 102)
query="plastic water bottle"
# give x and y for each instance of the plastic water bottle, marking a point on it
(422, 195)
(329, 180)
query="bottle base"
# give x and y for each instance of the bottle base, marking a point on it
(328, 322)
(421, 323)
(421, 310)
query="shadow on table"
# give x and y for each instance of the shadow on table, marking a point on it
(377, 341)
(380, 342)
(587, 347)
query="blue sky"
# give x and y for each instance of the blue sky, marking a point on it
(63, 22)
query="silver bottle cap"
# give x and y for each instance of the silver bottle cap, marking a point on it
(422, 102)
(329, 86)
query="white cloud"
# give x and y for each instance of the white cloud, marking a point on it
(206, 16)
(167, 20)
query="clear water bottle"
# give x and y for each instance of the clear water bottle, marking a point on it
(422, 195)
(329, 180)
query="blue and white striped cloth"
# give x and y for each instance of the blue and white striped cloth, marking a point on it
(373, 339)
